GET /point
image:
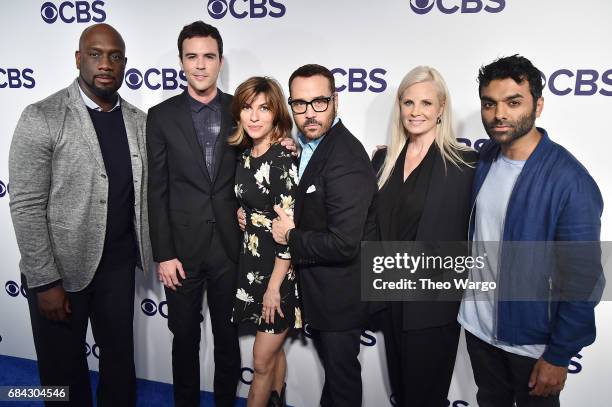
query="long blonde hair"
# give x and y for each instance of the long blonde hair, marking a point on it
(445, 137)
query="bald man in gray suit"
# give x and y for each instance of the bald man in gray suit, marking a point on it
(78, 204)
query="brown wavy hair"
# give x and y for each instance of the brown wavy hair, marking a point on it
(275, 98)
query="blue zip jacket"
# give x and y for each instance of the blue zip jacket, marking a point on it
(553, 199)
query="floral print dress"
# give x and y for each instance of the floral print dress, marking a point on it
(262, 182)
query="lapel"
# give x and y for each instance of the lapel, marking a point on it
(185, 123)
(315, 164)
(77, 105)
(132, 130)
(392, 185)
(221, 145)
(434, 199)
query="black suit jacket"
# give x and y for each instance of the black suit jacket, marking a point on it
(334, 207)
(445, 218)
(185, 204)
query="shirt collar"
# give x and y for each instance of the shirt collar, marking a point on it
(94, 106)
(197, 106)
(314, 143)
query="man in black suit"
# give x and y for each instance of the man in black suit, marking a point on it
(192, 207)
(334, 203)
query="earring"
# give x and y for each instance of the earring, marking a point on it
(439, 120)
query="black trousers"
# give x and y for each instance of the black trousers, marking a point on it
(420, 362)
(218, 276)
(338, 351)
(502, 377)
(108, 302)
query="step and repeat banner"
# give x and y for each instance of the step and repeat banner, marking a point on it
(370, 46)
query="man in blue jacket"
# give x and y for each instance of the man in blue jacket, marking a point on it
(528, 189)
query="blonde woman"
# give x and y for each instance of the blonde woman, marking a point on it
(424, 180)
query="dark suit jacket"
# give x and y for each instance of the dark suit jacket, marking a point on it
(334, 202)
(184, 202)
(445, 218)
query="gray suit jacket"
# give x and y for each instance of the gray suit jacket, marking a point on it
(59, 189)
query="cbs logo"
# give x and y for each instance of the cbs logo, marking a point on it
(71, 11)
(477, 145)
(217, 9)
(153, 78)
(454, 6)
(307, 331)
(4, 189)
(360, 80)
(150, 308)
(582, 82)
(367, 337)
(575, 366)
(92, 350)
(246, 375)
(15, 78)
(13, 289)
(456, 403)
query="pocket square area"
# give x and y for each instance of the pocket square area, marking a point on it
(311, 189)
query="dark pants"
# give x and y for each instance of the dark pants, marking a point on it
(338, 351)
(420, 361)
(108, 302)
(502, 377)
(218, 276)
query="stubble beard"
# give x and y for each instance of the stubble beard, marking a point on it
(324, 126)
(519, 129)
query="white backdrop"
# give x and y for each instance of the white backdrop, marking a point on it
(371, 45)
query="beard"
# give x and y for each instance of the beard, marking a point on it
(518, 128)
(106, 92)
(323, 126)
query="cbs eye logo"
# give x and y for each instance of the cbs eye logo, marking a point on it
(422, 6)
(453, 6)
(246, 375)
(150, 308)
(3, 189)
(71, 11)
(92, 350)
(217, 9)
(13, 289)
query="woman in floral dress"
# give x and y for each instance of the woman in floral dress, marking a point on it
(266, 175)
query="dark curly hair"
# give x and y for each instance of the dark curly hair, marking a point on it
(516, 67)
